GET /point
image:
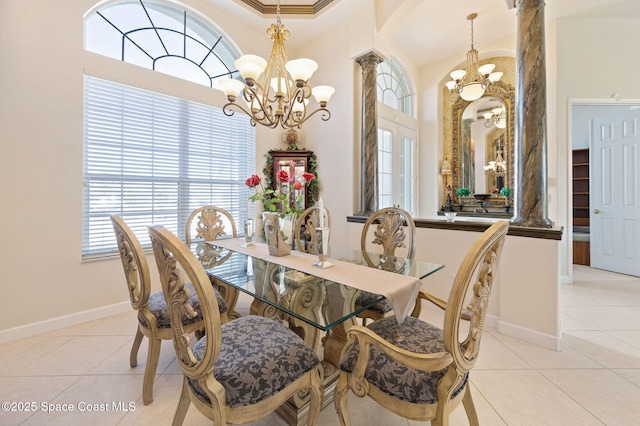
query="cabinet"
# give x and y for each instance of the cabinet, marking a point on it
(581, 244)
(294, 162)
(581, 187)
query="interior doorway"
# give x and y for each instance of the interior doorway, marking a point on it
(582, 117)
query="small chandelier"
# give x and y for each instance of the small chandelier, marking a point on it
(276, 91)
(497, 167)
(497, 116)
(471, 82)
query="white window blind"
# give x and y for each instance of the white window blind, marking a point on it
(153, 159)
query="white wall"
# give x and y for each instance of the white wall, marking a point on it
(525, 298)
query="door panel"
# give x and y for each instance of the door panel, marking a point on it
(615, 213)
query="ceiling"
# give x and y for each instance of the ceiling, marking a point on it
(416, 26)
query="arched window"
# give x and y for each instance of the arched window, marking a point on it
(160, 37)
(397, 139)
(393, 88)
(150, 157)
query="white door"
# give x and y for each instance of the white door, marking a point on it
(615, 192)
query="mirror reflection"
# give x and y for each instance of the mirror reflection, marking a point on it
(483, 155)
(483, 167)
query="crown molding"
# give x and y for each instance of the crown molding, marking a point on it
(288, 9)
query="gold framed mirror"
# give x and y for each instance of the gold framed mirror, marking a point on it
(483, 161)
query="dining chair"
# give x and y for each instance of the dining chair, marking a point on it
(384, 232)
(212, 222)
(240, 371)
(305, 231)
(153, 316)
(208, 223)
(415, 369)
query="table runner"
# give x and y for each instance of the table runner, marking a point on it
(400, 290)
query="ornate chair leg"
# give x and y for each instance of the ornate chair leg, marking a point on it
(469, 407)
(150, 370)
(341, 401)
(315, 401)
(183, 404)
(133, 358)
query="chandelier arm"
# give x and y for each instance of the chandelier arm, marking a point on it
(291, 116)
(326, 115)
(265, 111)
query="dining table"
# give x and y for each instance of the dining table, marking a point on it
(318, 304)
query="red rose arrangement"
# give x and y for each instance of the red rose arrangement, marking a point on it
(280, 197)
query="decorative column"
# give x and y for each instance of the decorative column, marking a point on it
(531, 115)
(369, 151)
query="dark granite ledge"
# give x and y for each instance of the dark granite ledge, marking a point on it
(554, 233)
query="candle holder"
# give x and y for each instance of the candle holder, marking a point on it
(248, 234)
(322, 236)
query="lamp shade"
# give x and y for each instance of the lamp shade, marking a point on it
(230, 87)
(301, 69)
(486, 69)
(446, 167)
(322, 93)
(250, 66)
(495, 76)
(450, 84)
(458, 74)
(472, 91)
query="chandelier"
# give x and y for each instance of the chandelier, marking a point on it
(498, 166)
(471, 82)
(276, 92)
(497, 116)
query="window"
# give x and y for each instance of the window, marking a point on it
(153, 159)
(160, 37)
(393, 88)
(397, 140)
(150, 157)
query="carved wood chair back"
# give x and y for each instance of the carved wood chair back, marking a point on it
(212, 222)
(388, 229)
(384, 232)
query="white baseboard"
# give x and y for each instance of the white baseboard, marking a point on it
(52, 324)
(541, 339)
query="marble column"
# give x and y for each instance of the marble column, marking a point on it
(369, 147)
(531, 205)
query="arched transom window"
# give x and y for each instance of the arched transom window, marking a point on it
(160, 37)
(393, 87)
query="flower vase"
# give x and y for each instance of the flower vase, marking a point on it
(285, 226)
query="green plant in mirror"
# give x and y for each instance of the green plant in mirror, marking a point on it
(505, 191)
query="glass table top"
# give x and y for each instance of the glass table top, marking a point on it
(316, 301)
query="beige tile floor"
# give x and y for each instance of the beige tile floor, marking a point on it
(595, 380)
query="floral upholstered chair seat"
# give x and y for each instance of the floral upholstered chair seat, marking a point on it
(273, 350)
(158, 307)
(394, 378)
